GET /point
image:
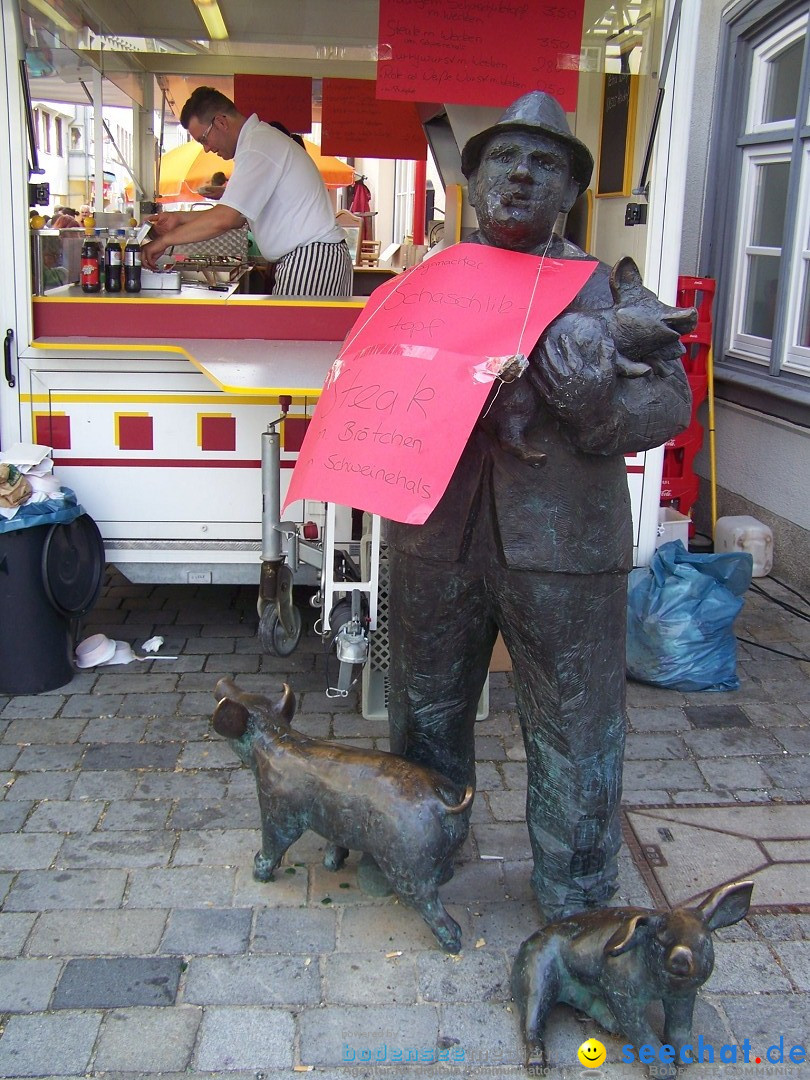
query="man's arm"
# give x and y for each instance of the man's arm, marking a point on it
(196, 226)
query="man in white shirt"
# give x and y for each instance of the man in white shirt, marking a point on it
(275, 187)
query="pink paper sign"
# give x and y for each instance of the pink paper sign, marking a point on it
(486, 53)
(400, 401)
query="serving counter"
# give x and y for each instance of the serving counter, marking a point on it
(154, 405)
(193, 311)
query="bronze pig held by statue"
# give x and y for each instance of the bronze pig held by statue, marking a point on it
(408, 818)
(613, 962)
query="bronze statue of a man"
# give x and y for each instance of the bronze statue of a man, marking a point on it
(538, 545)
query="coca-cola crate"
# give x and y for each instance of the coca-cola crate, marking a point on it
(701, 335)
(680, 492)
(678, 461)
(699, 293)
(697, 345)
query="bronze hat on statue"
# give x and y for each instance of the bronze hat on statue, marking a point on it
(535, 112)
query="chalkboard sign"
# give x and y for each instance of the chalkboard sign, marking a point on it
(619, 97)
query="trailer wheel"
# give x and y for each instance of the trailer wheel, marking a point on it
(273, 638)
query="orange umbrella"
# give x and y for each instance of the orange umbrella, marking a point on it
(334, 172)
(187, 167)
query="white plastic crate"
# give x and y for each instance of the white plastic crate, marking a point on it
(672, 526)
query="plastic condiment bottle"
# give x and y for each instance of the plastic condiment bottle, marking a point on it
(132, 264)
(90, 263)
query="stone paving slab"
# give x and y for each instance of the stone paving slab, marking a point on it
(27, 985)
(124, 849)
(14, 931)
(106, 983)
(29, 851)
(48, 1043)
(95, 933)
(62, 816)
(253, 980)
(147, 1040)
(232, 1038)
(39, 890)
(207, 886)
(222, 931)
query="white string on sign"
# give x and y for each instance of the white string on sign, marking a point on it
(519, 355)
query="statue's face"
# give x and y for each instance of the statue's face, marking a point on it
(523, 181)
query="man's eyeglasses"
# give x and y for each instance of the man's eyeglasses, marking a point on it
(203, 139)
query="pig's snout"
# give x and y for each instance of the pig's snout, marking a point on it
(681, 961)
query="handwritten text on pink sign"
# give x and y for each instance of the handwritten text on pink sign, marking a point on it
(483, 53)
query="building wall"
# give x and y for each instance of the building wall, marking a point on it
(700, 131)
(762, 462)
(610, 237)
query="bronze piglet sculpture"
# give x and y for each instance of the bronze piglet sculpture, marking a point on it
(408, 818)
(612, 963)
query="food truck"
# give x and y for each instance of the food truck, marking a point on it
(155, 404)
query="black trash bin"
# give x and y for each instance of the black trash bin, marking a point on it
(49, 575)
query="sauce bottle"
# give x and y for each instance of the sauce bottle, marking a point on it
(132, 264)
(112, 265)
(90, 263)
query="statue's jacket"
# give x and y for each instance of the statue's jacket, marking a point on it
(572, 515)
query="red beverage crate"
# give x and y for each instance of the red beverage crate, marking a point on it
(697, 345)
(679, 485)
(697, 292)
(680, 493)
(678, 461)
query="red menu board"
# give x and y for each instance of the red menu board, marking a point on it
(356, 124)
(275, 97)
(484, 53)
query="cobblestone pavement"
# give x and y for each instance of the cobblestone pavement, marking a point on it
(134, 940)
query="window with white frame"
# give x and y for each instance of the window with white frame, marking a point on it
(404, 186)
(762, 207)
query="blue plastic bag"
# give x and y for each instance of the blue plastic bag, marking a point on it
(48, 512)
(680, 616)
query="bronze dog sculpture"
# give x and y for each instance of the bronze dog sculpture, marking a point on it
(408, 818)
(613, 962)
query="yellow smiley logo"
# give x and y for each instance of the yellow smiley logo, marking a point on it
(592, 1054)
